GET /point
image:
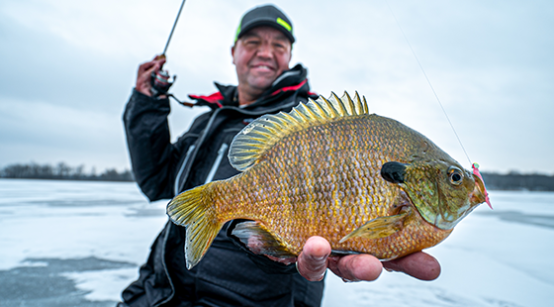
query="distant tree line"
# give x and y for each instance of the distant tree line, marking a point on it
(62, 171)
(516, 181)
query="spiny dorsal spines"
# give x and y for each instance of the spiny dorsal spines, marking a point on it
(342, 108)
(307, 112)
(262, 134)
(278, 118)
(362, 104)
(330, 108)
(357, 97)
(317, 111)
(353, 106)
(366, 108)
(299, 116)
(291, 120)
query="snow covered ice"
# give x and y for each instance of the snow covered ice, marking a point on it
(72, 243)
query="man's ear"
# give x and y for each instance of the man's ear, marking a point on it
(233, 53)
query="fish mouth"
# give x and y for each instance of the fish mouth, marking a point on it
(479, 194)
(447, 220)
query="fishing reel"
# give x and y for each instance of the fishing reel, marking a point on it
(161, 82)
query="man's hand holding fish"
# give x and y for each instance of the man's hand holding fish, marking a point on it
(315, 258)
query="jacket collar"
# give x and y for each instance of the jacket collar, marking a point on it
(290, 81)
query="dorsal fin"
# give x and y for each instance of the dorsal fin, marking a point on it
(260, 135)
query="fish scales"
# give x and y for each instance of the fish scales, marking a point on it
(318, 171)
(312, 182)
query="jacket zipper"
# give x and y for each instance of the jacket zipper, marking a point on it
(177, 179)
(217, 162)
(166, 270)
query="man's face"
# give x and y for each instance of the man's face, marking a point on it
(260, 56)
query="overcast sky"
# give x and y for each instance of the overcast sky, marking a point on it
(69, 66)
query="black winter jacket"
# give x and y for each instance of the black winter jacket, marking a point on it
(229, 274)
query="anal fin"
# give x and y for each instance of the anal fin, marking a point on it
(260, 241)
(380, 227)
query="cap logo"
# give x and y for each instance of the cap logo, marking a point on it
(238, 32)
(284, 24)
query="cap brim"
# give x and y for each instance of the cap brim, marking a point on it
(269, 23)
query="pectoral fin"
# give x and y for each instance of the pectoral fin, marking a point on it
(379, 228)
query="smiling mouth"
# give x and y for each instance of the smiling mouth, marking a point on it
(264, 67)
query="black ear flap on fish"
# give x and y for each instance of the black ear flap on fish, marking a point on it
(393, 172)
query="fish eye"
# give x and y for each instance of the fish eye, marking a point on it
(455, 175)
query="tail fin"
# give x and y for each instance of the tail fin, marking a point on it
(194, 210)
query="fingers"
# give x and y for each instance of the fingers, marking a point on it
(419, 265)
(155, 64)
(144, 74)
(356, 267)
(312, 262)
(145, 66)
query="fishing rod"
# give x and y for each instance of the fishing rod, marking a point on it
(160, 80)
(173, 29)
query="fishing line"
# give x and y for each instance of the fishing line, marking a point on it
(428, 81)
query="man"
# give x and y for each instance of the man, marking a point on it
(229, 274)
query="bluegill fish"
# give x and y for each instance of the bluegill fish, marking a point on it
(366, 183)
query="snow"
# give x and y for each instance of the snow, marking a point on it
(497, 257)
(103, 285)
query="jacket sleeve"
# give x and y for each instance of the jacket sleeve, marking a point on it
(153, 157)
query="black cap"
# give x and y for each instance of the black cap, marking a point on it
(267, 15)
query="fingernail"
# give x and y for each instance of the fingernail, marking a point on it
(391, 267)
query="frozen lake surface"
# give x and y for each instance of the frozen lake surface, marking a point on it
(70, 243)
